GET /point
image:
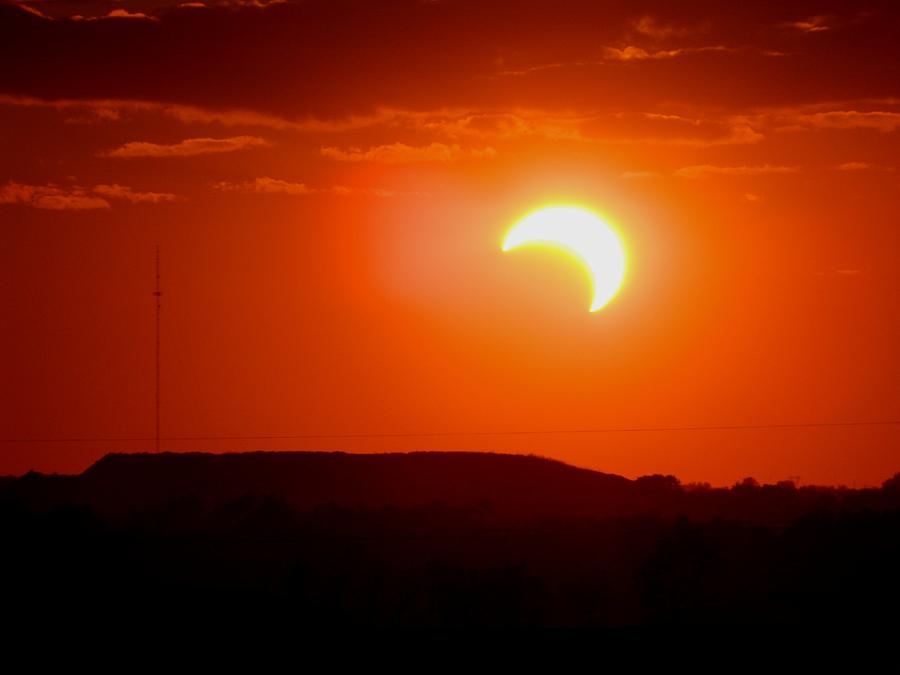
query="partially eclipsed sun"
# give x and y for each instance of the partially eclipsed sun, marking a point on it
(583, 234)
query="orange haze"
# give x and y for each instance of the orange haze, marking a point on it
(329, 182)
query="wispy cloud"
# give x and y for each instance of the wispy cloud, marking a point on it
(814, 24)
(632, 53)
(123, 13)
(30, 10)
(75, 197)
(739, 134)
(651, 27)
(878, 114)
(116, 14)
(880, 120)
(267, 185)
(108, 110)
(448, 127)
(51, 197)
(187, 148)
(853, 166)
(705, 170)
(116, 191)
(453, 129)
(400, 153)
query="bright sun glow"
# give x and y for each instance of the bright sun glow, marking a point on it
(584, 234)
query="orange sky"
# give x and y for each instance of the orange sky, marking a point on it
(329, 182)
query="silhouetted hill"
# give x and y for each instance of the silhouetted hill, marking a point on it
(303, 541)
(509, 484)
(504, 486)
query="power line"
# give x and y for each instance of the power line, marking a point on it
(457, 434)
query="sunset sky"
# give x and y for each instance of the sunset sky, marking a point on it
(329, 182)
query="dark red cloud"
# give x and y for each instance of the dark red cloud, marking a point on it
(332, 57)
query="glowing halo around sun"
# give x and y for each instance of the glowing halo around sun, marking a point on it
(582, 233)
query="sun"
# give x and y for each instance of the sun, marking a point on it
(584, 234)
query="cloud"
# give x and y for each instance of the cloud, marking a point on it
(880, 120)
(446, 125)
(453, 124)
(51, 197)
(93, 14)
(632, 53)
(739, 134)
(75, 197)
(115, 14)
(591, 127)
(650, 27)
(455, 46)
(704, 170)
(400, 153)
(487, 126)
(187, 148)
(814, 24)
(853, 166)
(878, 114)
(125, 14)
(30, 10)
(527, 70)
(666, 130)
(116, 191)
(114, 110)
(108, 110)
(457, 123)
(267, 185)
(638, 175)
(451, 129)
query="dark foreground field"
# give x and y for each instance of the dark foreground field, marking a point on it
(315, 540)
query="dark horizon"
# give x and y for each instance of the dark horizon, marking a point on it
(315, 540)
(107, 457)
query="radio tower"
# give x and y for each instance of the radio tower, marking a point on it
(158, 294)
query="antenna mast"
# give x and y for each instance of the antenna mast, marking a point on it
(158, 294)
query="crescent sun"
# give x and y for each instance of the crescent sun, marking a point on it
(584, 234)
